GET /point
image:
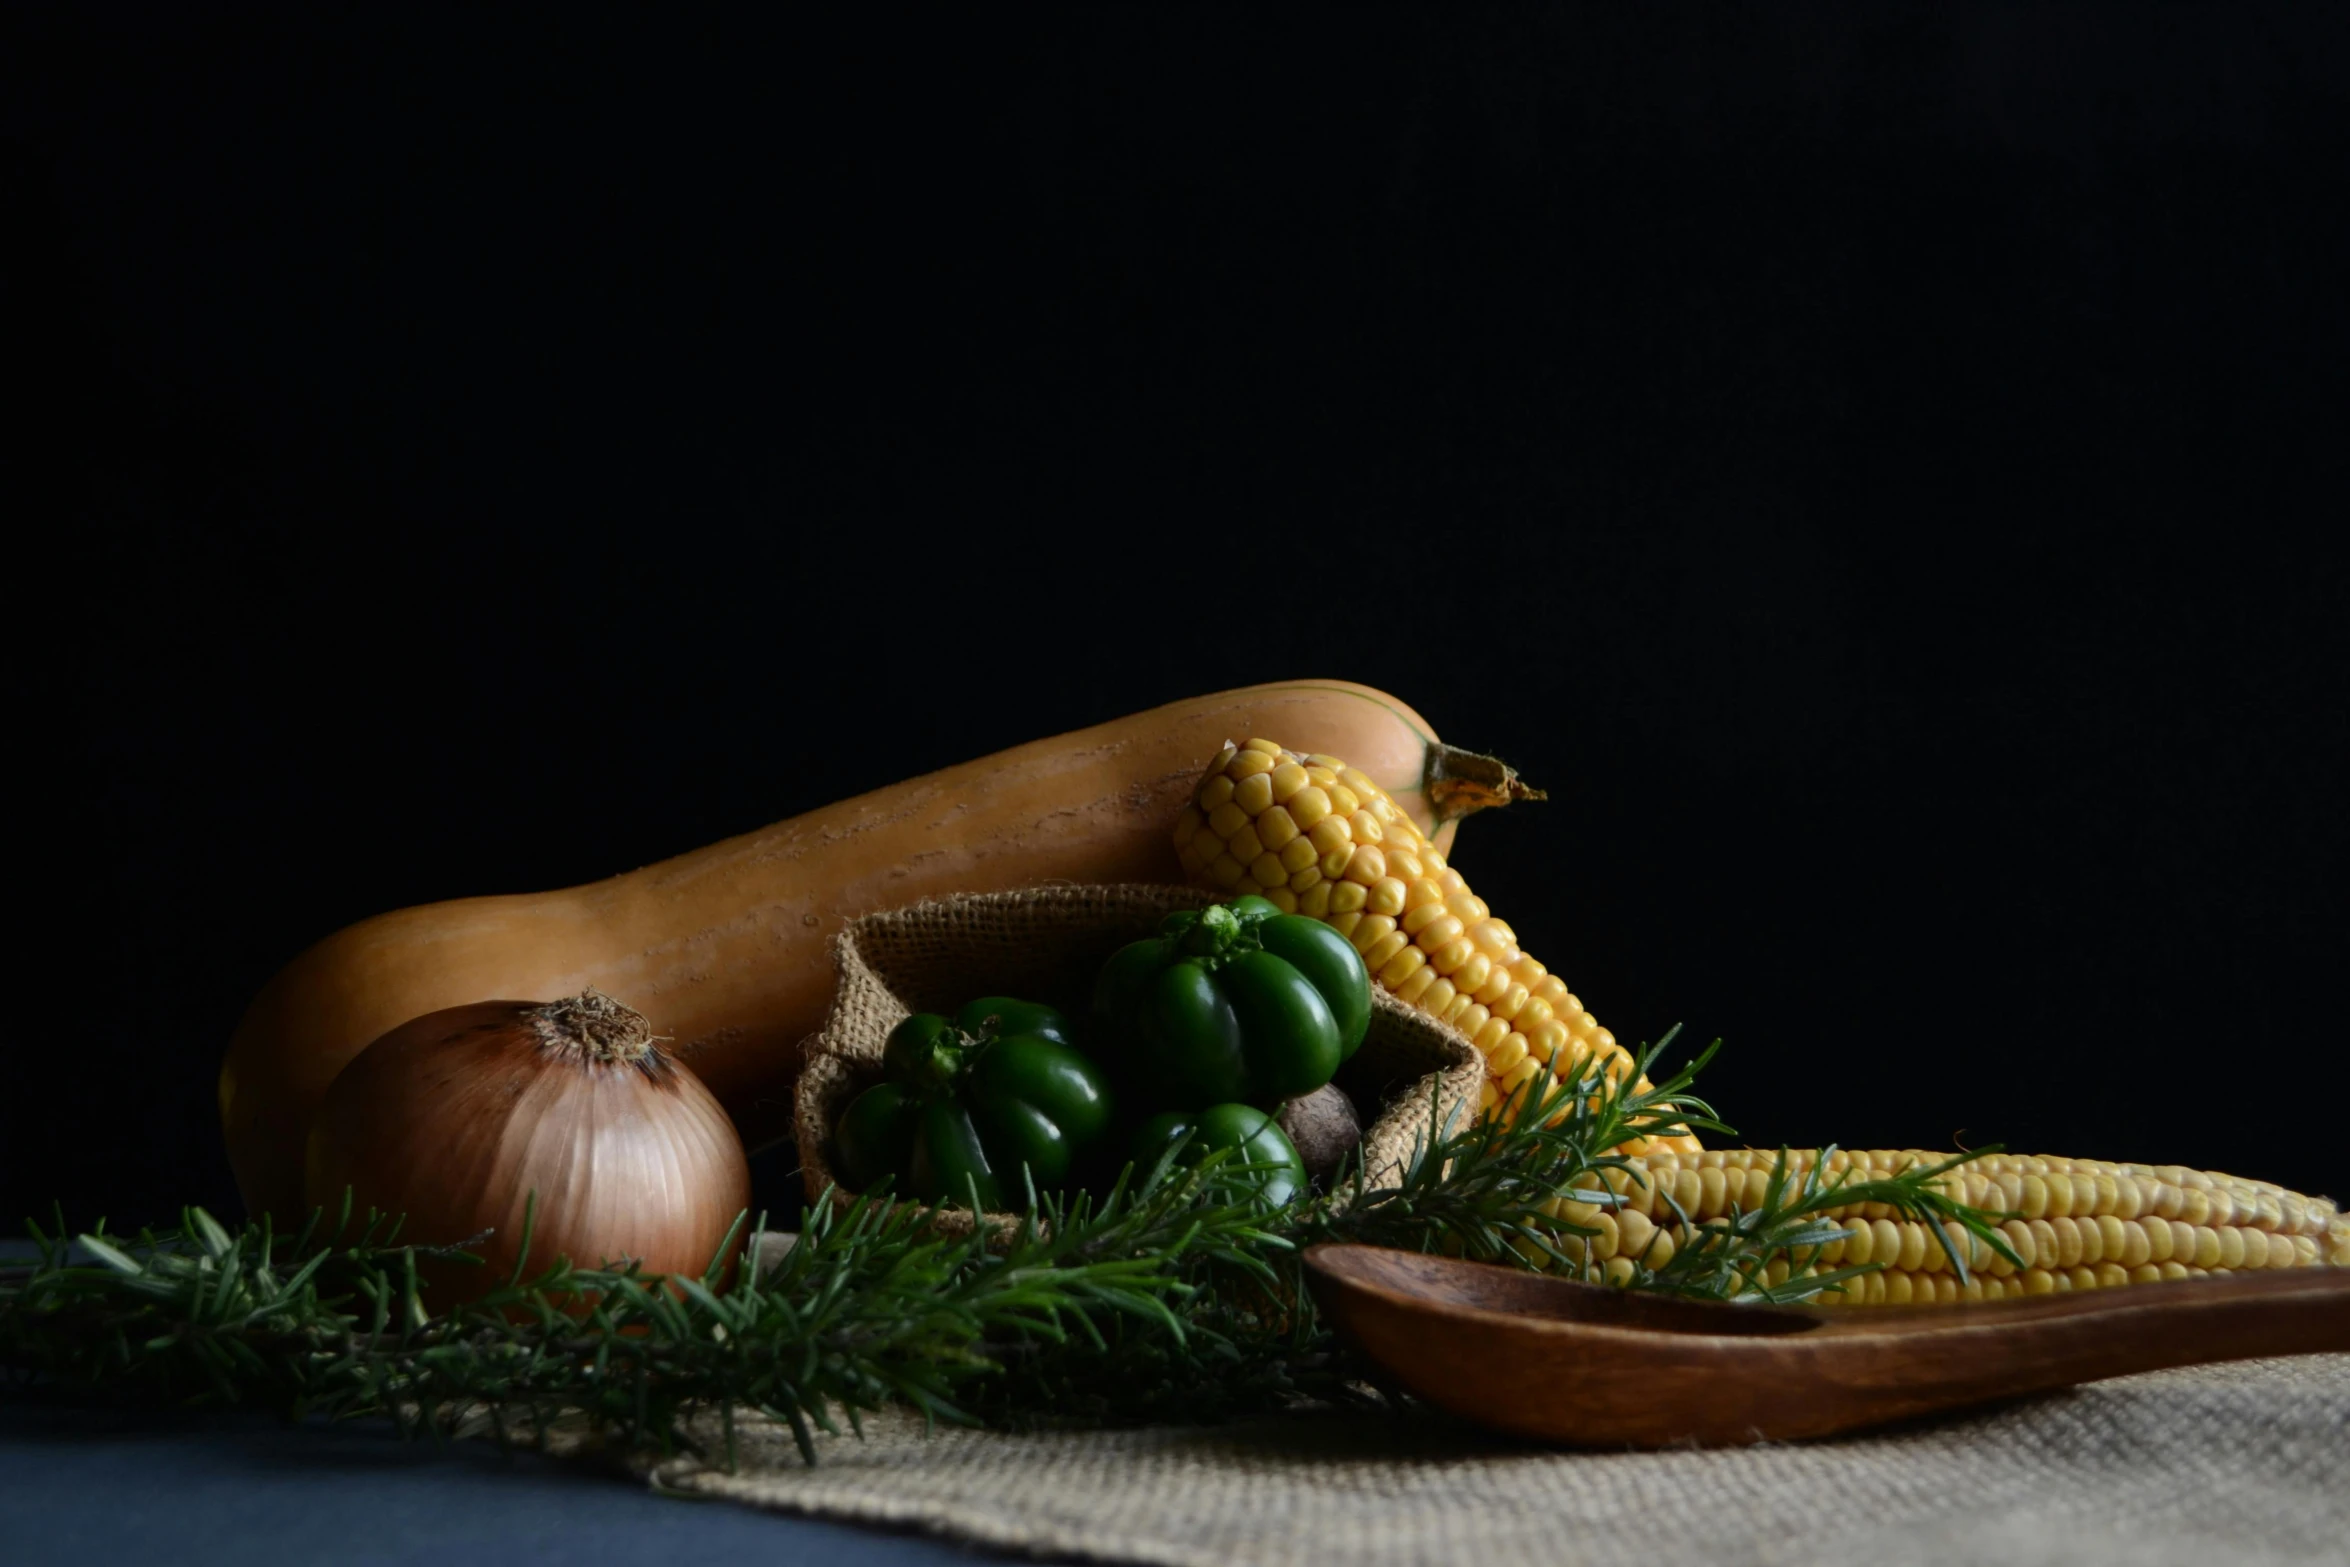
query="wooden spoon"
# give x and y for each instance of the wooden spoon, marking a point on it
(1579, 1363)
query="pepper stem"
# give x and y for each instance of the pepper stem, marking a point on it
(1215, 936)
(939, 1066)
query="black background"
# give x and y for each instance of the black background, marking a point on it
(1880, 469)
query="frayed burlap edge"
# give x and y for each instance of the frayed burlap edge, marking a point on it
(1046, 944)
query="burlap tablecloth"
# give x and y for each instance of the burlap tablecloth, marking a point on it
(2242, 1464)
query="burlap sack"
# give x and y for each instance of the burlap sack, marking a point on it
(1046, 944)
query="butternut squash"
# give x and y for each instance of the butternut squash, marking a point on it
(726, 949)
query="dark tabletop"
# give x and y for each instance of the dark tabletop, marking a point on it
(86, 1485)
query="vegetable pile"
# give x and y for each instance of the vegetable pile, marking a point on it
(1198, 1036)
(539, 1207)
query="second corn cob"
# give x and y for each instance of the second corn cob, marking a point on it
(2075, 1223)
(1318, 837)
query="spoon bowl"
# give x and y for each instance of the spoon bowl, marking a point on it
(1583, 1364)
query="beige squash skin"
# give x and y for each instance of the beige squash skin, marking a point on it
(727, 949)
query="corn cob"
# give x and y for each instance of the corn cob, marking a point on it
(2078, 1223)
(1318, 837)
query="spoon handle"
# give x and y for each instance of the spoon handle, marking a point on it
(2086, 1337)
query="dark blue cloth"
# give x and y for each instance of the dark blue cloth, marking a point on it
(89, 1486)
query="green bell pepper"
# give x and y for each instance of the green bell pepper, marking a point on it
(1256, 1135)
(971, 1100)
(1232, 1003)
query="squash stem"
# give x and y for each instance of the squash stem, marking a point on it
(1459, 782)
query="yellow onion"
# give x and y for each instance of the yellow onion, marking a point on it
(456, 1118)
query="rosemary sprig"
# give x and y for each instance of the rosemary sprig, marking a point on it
(867, 1307)
(1732, 1257)
(1481, 1190)
(1174, 1297)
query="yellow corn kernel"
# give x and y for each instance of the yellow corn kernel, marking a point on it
(1451, 959)
(1466, 906)
(1413, 986)
(1432, 936)
(1686, 1190)
(1713, 1195)
(1496, 939)
(1547, 1041)
(1401, 965)
(1254, 793)
(1330, 836)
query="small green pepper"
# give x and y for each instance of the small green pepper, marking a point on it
(971, 1100)
(1257, 1136)
(1232, 1003)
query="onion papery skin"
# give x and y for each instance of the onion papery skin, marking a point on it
(455, 1118)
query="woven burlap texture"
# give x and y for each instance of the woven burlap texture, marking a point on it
(1046, 944)
(2240, 1464)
